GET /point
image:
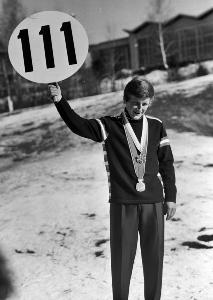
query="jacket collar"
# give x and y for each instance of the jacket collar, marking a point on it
(130, 119)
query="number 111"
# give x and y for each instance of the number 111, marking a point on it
(45, 31)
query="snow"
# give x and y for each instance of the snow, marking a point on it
(54, 216)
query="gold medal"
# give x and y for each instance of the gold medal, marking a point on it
(140, 186)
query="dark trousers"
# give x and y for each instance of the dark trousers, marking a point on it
(125, 222)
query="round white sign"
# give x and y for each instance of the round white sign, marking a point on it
(48, 46)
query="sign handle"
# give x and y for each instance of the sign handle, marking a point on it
(55, 84)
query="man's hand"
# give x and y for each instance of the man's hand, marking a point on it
(169, 209)
(55, 92)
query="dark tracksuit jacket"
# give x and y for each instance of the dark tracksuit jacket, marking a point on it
(121, 175)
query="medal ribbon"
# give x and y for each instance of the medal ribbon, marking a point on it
(134, 145)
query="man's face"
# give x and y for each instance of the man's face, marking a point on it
(136, 107)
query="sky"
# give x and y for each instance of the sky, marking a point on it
(106, 19)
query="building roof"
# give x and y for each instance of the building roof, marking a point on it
(110, 43)
(205, 13)
(142, 26)
(170, 21)
(177, 18)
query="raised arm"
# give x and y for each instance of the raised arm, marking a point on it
(88, 128)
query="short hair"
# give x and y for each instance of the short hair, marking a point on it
(138, 87)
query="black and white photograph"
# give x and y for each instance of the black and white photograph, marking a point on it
(106, 150)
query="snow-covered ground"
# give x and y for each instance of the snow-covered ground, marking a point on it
(54, 216)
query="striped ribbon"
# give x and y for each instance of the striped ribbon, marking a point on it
(134, 144)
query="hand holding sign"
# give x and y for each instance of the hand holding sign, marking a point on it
(49, 46)
(55, 91)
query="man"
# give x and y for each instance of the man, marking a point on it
(136, 151)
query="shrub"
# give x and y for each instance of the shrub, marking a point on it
(174, 75)
(202, 70)
(123, 73)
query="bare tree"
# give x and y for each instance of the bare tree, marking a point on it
(11, 15)
(110, 29)
(114, 54)
(8, 88)
(159, 13)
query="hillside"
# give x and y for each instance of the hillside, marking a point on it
(36, 132)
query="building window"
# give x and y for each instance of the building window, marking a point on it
(149, 52)
(115, 59)
(205, 41)
(188, 45)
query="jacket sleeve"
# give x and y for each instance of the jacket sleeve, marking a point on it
(94, 129)
(166, 166)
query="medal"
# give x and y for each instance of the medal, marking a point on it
(140, 186)
(139, 160)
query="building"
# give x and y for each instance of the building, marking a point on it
(186, 39)
(111, 56)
